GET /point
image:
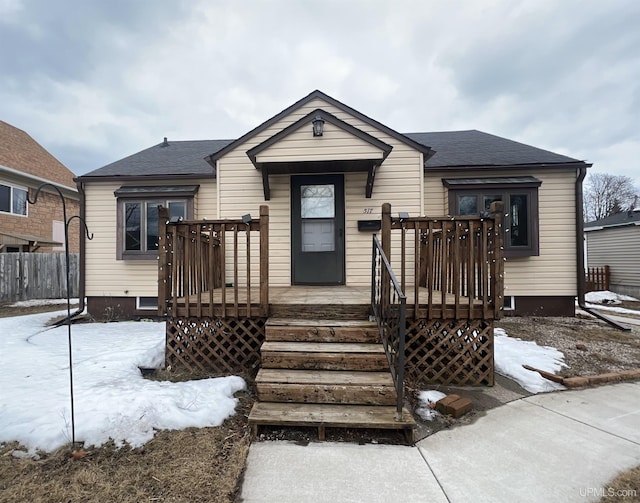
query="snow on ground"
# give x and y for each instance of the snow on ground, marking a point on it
(613, 309)
(428, 400)
(112, 399)
(606, 297)
(511, 353)
(42, 302)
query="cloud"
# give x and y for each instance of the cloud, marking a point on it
(95, 81)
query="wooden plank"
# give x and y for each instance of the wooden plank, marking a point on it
(338, 416)
(248, 247)
(212, 266)
(327, 361)
(264, 259)
(322, 334)
(457, 255)
(323, 347)
(327, 393)
(289, 376)
(236, 313)
(294, 322)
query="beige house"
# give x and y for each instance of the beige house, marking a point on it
(324, 170)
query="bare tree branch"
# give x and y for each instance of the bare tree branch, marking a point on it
(606, 194)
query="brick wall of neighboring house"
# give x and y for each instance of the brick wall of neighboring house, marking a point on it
(21, 152)
(40, 217)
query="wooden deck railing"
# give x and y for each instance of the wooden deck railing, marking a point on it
(458, 265)
(206, 267)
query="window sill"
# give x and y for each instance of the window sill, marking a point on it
(139, 256)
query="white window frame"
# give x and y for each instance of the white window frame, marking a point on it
(12, 187)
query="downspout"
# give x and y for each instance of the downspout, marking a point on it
(582, 173)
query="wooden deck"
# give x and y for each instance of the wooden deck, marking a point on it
(342, 301)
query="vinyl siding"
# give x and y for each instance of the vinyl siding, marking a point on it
(334, 144)
(106, 276)
(554, 271)
(397, 181)
(619, 248)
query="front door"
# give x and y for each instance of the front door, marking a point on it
(317, 233)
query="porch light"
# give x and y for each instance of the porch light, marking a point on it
(175, 220)
(318, 125)
(246, 218)
(403, 215)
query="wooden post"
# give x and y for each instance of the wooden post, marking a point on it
(497, 278)
(386, 230)
(385, 291)
(164, 286)
(264, 258)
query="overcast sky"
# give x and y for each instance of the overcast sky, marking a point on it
(96, 80)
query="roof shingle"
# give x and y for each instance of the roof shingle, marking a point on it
(453, 148)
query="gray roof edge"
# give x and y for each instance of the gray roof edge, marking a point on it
(338, 104)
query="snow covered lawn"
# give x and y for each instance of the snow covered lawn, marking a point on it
(112, 399)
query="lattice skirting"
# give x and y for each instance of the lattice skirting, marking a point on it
(458, 352)
(214, 344)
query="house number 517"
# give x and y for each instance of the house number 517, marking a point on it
(367, 211)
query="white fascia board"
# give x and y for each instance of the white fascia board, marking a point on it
(71, 191)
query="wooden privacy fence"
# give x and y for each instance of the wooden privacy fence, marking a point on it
(214, 288)
(455, 283)
(26, 276)
(597, 279)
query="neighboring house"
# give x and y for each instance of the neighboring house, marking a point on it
(615, 241)
(24, 166)
(318, 189)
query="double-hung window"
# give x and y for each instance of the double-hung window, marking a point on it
(137, 236)
(473, 196)
(13, 199)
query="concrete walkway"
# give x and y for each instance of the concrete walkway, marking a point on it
(562, 446)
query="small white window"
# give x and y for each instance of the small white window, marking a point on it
(13, 200)
(147, 303)
(509, 303)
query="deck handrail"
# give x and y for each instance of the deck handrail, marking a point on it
(388, 304)
(199, 270)
(458, 260)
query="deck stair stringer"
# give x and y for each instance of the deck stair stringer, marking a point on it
(326, 373)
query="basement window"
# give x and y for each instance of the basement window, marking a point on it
(147, 303)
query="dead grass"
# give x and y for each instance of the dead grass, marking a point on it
(589, 346)
(6, 310)
(624, 488)
(193, 465)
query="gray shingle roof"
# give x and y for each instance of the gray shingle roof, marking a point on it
(475, 148)
(175, 159)
(453, 148)
(625, 218)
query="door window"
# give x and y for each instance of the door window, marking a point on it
(317, 212)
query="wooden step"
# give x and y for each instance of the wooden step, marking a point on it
(333, 416)
(305, 330)
(325, 386)
(325, 356)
